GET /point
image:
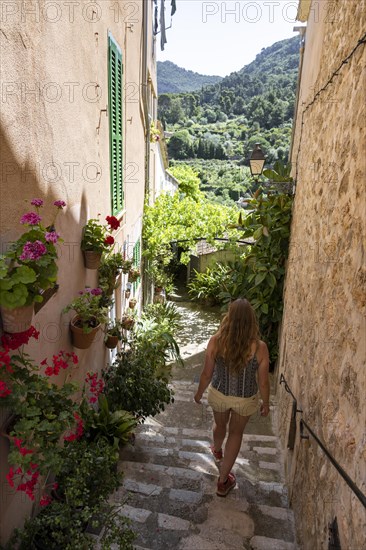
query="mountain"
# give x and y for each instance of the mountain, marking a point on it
(271, 76)
(174, 79)
(215, 129)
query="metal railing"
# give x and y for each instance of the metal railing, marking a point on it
(357, 491)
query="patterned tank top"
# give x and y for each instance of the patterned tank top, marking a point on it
(243, 384)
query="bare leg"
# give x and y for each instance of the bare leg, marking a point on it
(219, 428)
(233, 443)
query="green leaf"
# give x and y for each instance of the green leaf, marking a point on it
(259, 278)
(258, 233)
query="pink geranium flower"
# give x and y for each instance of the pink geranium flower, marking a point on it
(30, 218)
(52, 236)
(33, 251)
(60, 204)
(37, 202)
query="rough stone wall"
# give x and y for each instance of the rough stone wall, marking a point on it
(323, 337)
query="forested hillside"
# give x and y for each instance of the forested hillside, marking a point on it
(174, 79)
(225, 120)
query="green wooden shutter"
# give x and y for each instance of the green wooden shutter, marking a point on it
(115, 123)
(136, 253)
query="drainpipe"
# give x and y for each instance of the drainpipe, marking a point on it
(145, 23)
(302, 31)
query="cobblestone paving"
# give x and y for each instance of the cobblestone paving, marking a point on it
(170, 475)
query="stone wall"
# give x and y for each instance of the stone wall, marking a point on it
(323, 337)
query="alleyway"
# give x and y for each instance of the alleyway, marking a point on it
(170, 475)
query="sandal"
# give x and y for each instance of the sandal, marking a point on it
(224, 487)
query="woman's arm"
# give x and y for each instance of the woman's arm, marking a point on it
(207, 371)
(263, 377)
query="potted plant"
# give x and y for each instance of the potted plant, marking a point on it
(97, 240)
(57, 525)
(88, 473)
(114, 427)
(27, 269)
(113, 334)
(126, 266)
(132, 303)
(128, 320)
(133, 274)
(89, 316)
(45, 411)
(154, 133)
(60, 525)
(108, 272)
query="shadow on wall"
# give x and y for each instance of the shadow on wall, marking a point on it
(21, 182)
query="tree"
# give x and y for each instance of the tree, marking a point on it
(239, 106)
(176, 111)
(180, 145)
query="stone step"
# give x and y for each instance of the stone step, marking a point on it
(265, 543)
(169, 492)
(150, 478)
(241, 532)
(203, 462)
(151, 426)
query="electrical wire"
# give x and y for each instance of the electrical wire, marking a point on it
(328, 83)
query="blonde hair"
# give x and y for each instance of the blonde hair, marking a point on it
(237, 332)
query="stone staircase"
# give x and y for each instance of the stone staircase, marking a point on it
(170, 482)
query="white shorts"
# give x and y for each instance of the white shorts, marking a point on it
(245, 406)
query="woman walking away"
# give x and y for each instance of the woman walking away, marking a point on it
(236, 363)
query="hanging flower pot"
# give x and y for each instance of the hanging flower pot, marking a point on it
(132, 303)
(111, 341)
(133, 274)
(92, 259)
(18, 319)
(81, 339)
(127, 322)
(126, 266)
(127, 293)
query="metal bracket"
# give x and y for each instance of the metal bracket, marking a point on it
(100, 117)
(334, 542)
(302, 435)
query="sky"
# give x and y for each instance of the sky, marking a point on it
(219, 37)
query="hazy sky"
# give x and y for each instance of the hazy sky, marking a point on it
(219, 37)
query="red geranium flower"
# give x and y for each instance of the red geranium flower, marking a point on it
(4, 390)
(109, 240)
(45, 500)
(14, 341)
(113, 222)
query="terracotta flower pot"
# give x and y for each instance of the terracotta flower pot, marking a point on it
(92, 259)
(18, 319)
(79, 338)
(111, 341)
(132, 303)
(127, 323)
(127, 294)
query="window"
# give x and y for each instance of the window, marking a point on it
(115, 71)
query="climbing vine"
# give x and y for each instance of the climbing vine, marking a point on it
(182, 220)
(259, 273)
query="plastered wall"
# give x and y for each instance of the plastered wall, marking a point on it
(55, 145)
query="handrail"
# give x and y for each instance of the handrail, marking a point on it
(357, 491)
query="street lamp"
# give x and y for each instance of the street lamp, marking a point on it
(256, 162)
